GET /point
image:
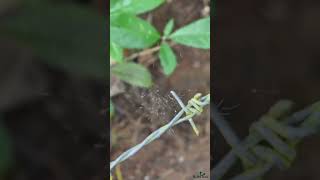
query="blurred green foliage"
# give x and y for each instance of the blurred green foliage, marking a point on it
(63, 35)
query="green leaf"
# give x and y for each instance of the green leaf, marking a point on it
(129, 31)
(132, 73)
(196, 34)
(134, 6)
(116, 52)
(168, 28)
(167, 59)
(113, 4)
(64, 36)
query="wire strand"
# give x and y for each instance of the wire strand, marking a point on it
(281, 136)
(192, 109)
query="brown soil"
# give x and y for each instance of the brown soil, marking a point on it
(179, 154)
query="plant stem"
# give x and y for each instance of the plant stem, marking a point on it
(147, 52)
(143, 53)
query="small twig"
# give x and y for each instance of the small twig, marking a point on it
(166, 174)
(146, 52)
(143, 53)
(118, 173)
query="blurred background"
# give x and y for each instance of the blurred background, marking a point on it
(266, 51)
(53, 89)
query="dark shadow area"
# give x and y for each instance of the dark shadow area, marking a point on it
(267, 51)
(53, 90)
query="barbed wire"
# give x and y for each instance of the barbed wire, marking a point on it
(193, 108)
(280, 134)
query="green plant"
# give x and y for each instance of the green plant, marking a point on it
(61, 34)
(129, 31)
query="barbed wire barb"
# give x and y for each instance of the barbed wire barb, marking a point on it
(193, 108)
(281, 135)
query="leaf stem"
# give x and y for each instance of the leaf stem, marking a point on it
(147, 52)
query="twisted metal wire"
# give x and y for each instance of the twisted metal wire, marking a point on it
(194, 107)
(281, 136)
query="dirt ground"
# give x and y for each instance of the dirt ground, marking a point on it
(179, 154)
(267, 51)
